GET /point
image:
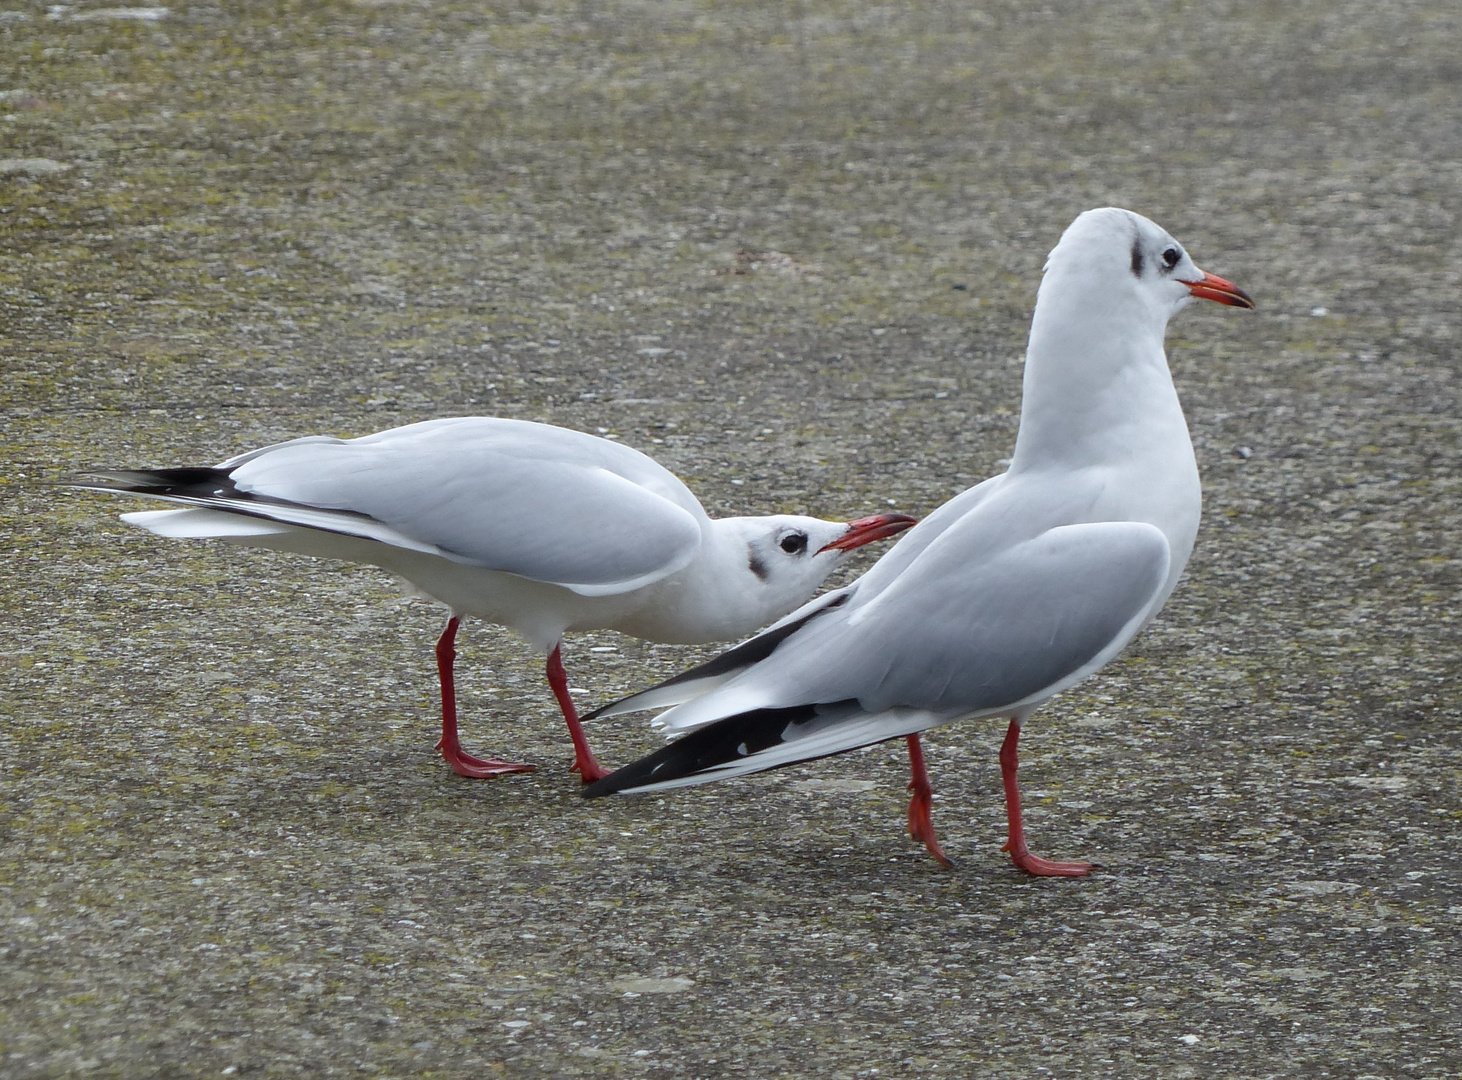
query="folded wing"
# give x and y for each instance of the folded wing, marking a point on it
(942, 642)
(506, 495)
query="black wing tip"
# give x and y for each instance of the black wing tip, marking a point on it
(183, 482)
(607, 785)
(726, 740)
(668, 763)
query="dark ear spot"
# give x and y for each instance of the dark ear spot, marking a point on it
(1137, 258)
(756, 566)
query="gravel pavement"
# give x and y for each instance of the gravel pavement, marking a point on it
(790, 249)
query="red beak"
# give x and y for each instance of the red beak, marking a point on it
(866, 530)
(1213, 287)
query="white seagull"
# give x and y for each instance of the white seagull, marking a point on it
(1010, 592)
(529, 526)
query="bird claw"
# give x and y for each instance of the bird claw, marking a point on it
(1039, 867)
(590, 770)
(921, 825)
(476, 768)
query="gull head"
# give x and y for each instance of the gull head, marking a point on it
(789, 554)
(748, 572)
(756, 569)
(1111, 257)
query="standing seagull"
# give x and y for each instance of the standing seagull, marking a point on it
(529, 526)
(1010, 592)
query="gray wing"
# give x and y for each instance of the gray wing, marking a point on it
(964, 631)
(529, 499)
(725, 667)
(914, 542)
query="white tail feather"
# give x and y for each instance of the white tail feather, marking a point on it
(198, 524)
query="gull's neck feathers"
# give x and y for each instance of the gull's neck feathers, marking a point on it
(710, 598)
(717, 596)
(1096, 373)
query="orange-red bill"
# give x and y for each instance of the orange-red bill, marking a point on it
(1220, 290)
(866, 530)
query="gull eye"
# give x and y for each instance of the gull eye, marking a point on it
(1170, 258)
(793, 543)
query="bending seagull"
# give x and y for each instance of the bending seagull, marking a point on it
(529, 526)
(1010, 592)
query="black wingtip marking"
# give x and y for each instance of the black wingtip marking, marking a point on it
(184, 483)
(200, 485)
(208, 487)
(715, 744)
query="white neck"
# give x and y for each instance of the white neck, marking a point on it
(714, 598)
(1098, 395)
(1095, 373)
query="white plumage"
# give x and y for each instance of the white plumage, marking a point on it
(538, 528)
(1009, 593)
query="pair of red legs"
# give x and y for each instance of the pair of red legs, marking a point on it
(466, 764)
(921, 825)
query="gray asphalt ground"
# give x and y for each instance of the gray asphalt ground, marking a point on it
(790, 249)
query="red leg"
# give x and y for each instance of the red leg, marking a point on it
(1031, 864)
(921, 825)
(464, 763)
(585, 764)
